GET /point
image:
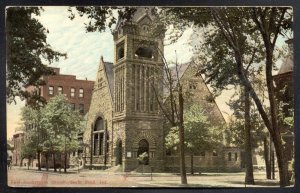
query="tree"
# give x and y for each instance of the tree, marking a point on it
(31, 119)
(27, 51)
(28, 150)
(62, 125)
(200, 135)
(236, 25)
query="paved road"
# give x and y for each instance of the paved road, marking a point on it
(20, 177)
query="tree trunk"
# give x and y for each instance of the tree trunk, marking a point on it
(181, 138)
(65, 164)
(267, 158)
(39, 161)
(249, 179)
(272, 163)
(28, 164)
(21, 162)
(47, 164)
(54, 162)
(281, 161)
(192, 163)
(276, 135)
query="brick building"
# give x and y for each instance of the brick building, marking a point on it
(127, 121)
(78, 92)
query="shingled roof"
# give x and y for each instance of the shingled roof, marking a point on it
(110, 76)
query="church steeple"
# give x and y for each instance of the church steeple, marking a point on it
(138, 52)
(138, 72)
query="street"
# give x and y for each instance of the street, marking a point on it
(21, 177)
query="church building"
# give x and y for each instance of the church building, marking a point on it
(124, 118)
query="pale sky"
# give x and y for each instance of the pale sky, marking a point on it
(84, 51)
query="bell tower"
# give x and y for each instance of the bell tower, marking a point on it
(138, 75)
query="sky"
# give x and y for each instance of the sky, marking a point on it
(84, 51)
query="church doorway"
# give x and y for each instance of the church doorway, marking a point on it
(143, 148)
(119, 153)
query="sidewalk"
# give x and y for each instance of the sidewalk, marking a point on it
(102, 178)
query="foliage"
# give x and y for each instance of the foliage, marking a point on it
(200, 135)
(28, 149)
(101, 18)
(235, 25)
(27, 51)
(54, 132)
(235, 132)
(31, 119)
(143, 158)
(62, 125)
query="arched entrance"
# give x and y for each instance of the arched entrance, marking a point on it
(119, 152)
(143, 147)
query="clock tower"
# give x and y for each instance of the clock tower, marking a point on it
(138, 75)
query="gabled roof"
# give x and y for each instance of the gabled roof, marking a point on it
(139, 14)
(181, 71)
(110, 76)
(287, 65)
(173, 71)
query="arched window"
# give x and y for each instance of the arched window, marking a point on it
(121, 53)
(98, 134)
(144, 52)
(145, 28)
(143, 148)
(229, 156)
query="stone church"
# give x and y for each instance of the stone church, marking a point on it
(124, 119)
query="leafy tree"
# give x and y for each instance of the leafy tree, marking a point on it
(235, 25)
(101, 18)
(62, 125)
(27, 52)
(28, 150)
(31, 119)
(200, 135)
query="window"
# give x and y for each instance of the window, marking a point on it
(72, 105)
(144, 52)
(168, 152)
(146, 28)
(72, 92)
(235, 156)
(151, 106)
(81, 93)
(99, 137)
(100, 82)
(81, 108)
(229, 156)
(202, 153)
(50, 90)
(60, 90)
(215, 153)
(192, 86)
(121, 53)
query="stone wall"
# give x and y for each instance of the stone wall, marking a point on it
(209, 162)
(101, 106)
